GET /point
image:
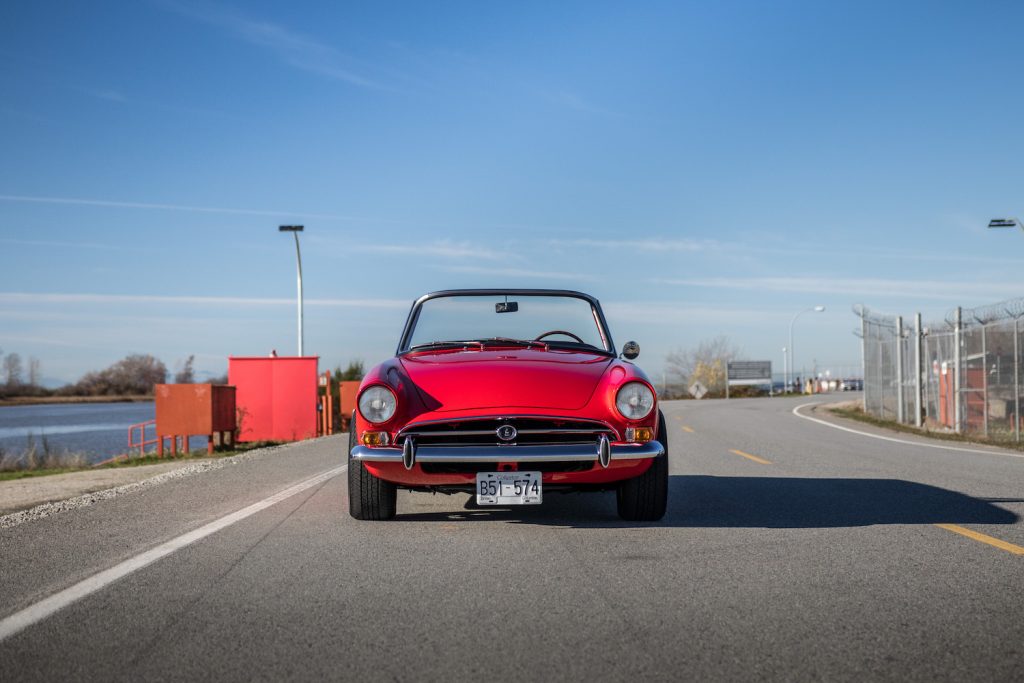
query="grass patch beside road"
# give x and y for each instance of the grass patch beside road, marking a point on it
(201, 454)
(857, 413)
(39, 458)
(11, 475)
(43, 462)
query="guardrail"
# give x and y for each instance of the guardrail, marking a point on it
(158, 441)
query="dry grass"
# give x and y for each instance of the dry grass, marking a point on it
(40, 459)
(40, 456)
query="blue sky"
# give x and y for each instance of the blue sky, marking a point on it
(703, 168)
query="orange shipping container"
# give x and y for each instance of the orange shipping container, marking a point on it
(277, 397)
(183, 409)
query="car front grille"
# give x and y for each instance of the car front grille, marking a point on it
(530, 431)
(474, 467)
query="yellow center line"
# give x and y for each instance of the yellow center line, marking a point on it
(983, 538)
(688, 430)
(756, 459)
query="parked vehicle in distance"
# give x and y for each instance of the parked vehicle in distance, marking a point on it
(852, 385)
(508, 395)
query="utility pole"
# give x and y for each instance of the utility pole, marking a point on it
(957, 353)
(917, 371)
(899, 369)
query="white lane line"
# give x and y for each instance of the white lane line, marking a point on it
(796, 411)
(58, 601)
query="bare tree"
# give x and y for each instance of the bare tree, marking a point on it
(133, 375)
(706, 363)
(12, 370)
(186, 375)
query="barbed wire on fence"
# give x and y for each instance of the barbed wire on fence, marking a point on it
(1011, 309)
(874, 317)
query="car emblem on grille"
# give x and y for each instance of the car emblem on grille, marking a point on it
(507, 432)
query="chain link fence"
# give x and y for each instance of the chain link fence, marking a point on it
(963, 374)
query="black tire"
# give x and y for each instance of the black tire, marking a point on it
(369, 498)
(645, 498)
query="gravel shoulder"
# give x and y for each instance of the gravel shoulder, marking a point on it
(22, 494)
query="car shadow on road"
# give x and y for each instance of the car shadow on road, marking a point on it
(698, 501)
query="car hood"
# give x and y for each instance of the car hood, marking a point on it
(511, 378)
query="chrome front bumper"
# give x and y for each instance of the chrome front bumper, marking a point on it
(555, 453)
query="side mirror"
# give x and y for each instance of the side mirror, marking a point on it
(630, 350)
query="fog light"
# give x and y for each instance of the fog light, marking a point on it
(375, 439)
(639, 434)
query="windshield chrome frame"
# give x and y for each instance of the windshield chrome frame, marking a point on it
(595, 307)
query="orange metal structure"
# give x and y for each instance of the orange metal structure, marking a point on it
(946, 395)
(348, 391)
(143, 440)
(325, 425)
(187, 409)
(277, 397)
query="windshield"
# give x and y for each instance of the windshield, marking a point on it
(497, 318)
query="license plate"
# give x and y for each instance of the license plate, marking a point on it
(508, 488)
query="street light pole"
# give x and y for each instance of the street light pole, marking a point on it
(295, 230)
(792, 358)
(785, 370)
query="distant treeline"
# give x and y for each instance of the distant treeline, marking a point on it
(133, 375)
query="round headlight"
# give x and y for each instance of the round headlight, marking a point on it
(634, 400)
(377, 404)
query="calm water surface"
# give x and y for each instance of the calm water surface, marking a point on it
(99, 430)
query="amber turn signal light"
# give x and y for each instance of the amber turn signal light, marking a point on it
(375, 438)
(639, 434)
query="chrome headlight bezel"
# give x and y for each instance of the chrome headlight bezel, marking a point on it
(377, 404)
(634, 400)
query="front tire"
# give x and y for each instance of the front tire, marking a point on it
(369, 498)
(645, 498)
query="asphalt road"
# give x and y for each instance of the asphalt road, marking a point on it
(791, 551)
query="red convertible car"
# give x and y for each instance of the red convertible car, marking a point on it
(508, 395)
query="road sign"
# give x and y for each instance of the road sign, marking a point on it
(750, 372)
(698, 390)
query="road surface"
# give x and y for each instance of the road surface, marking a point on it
(791, 551)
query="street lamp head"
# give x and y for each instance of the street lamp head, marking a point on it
(290, 228)
(819, 309)
(1004, 223)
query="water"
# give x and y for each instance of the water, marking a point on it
(98, 430)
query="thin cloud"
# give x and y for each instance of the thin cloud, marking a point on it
(881, 253)
(652, 244)
(72, 245)
(517, 273)
(627, 313)
(49, 341)
(64, 298)
(887, 288)
(443, 249)
(293, 48)
(79, 201)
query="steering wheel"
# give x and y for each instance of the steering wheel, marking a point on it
(567, 334)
